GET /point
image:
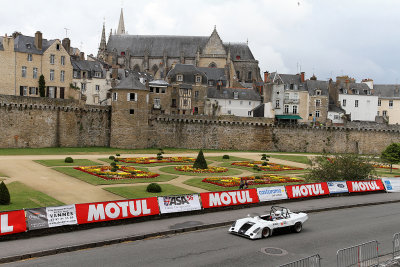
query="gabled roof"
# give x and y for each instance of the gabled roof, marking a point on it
(188, 71)
(362, 88)
(387, 90)
(131, 82)
(86, 65)
(26, 44)
(215, 74)
(313, 85)
(228, 93)
(276, 77)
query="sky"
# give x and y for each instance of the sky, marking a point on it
(359, 38)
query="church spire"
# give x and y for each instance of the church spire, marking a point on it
(103, 38)
(121, 25)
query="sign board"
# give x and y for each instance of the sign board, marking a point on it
(365, 186)
(391, 184)
(228, 198)
(307, 190)
(337, 187)
(170, 204)
(51, 217)
(271, 193)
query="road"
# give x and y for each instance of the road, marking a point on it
(324, 233)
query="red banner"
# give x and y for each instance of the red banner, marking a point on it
(228, 198)
(12, 222)
(365, 186)
(307, 190)
(116, 210)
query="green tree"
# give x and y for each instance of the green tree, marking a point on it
(391, 155)
(200, 162)
(4, 194)
(341, 168)
(42, 86)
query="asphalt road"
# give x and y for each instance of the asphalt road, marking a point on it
(324, 233)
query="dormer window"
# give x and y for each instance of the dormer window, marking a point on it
(318, 92)
(97, 74)
(58, 46)
(356, 92)
(179, 78)
(235, 95)
(198, 79)
(29, 46)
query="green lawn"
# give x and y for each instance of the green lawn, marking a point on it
(231, 158)
(171, 169)
(132, 192)
(386, 172)
(23, 196)
(141, 165)
(60, 162)
(229, 165)
(92, 179)
(299, 159)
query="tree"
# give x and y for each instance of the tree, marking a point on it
(42, 86)
(391, 155)
(341, 168)
(200, 162)
(4, 194)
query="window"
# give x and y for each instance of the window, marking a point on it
(97, 88)
(114, 96)
(33, 91)
(196, 94)
(131, 111)
(336, 117)
(62, 76)
(83, 87)
(249, 113)
(287, 96)
(317, 114)
(286, 109)
(198, 79)
(58, 46)
(210, 83)
(132, 97)
(344, 103)
(173, 103)
(52, 57)
(23, 71)
(249, 103)
(163, 90)
(318, 92)
(379, 102)
(151, 89)
(52, 92)
(97, 74)
(229, 112)
(356, 103)
(296, 96)
(377, 114)
(25, 89)
(235, 95)
(35, 70)
(179, 77)
(29, 57)
(63, 60)
(318, 102)
(294, 109)
(75, 74)
(51, 75)
(157, 90)
(185, 102)
(157, 103)
(84, 74)
(390, 103)
(384, 113)
(277, 103)
(249, 75)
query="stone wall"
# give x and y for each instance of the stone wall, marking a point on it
(44, 122)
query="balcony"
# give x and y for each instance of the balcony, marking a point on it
(291, 101)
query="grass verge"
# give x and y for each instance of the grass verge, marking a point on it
(229, 165)
(132, 192)
(171, 169)
(60, 162)
(142, 165)
(299, 159)
(231, 158)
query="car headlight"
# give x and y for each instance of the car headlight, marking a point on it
(256, 230)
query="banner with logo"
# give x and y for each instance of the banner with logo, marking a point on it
(337, 187)
(12, 222)
(365, 186)
(307, 190)
(228, 198)
(391, 184)
(36, 218)
(170, 204)
(271, 193)
(39, 218)
(116, 210)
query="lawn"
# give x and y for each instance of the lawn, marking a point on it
(132, 192)
(386, 172)
(231, 158)
(143, 165)
(60, 162)
(94, 180)
(23, 196)
(299, 159)
(171, 169)
(228, 165)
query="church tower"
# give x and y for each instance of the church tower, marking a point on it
(121, 25)
(103, 45)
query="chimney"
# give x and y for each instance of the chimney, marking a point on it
(66, 43)
(82, 56)
(302, 76)
(38, 40)
(266, 74)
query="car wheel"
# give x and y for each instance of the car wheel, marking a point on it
(298, 227)
(266, 232)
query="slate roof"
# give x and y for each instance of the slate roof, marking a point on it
(275, 77)
(228, 93)
(155, 45)
(26, 44)
(131, 82)
(188, 71)
(86, 65)
(313, 85)
(356, 86)
(215, 74)
(387, 90)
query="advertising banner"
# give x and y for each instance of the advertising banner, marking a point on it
(391, 184)
(365, 186)
(228, 198)
(307, 190)
(12, 222)
(337, 187)
(116, 210)
(271, 193)
(51, 217)
(36, 218)
(170, 204)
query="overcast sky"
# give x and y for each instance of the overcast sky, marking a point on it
(359, 38)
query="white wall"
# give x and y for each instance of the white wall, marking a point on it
(237, 107)
(367, 106)
(331, 116)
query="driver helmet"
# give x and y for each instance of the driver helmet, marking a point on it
(278, 213)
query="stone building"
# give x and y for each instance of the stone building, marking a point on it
(388, 102)
(318, 104)
(24, 59)
(160, 97)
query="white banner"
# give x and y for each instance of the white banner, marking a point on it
(63, 215)
(271, 193)
(337, 187)
(170, 204)
(391, 184)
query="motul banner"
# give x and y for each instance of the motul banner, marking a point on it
(170, 204)
(228, 198)
(12, 222)
(116, 210)
(307, 190)
(365, 186)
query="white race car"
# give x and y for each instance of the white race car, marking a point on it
(263, 226)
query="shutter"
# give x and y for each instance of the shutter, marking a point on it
(55, 92)
(47, 91)
(136, 97)
(21, 90)
(128, 97)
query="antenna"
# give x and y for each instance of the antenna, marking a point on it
(66, 32)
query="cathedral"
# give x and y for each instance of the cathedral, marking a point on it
(157, 54)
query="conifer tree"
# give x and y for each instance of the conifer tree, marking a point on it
(4, 194)
(42, 86)
(200, 162)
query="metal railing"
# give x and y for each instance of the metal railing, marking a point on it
(312, 261)
(396, 245)
(365, 254)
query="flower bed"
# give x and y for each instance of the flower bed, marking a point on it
(382, 166)
(194, 170)
(123, 172)
(269, 167)
(150, 160)
(251, 180)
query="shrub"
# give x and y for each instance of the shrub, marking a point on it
(68, 160)
(265, 163)
(114, 169)
(4, 194)
(117, 154)
(153, 188)
(113, 164)
(256, 168)
(111, 157)
(264, 157)
(225, 156)
(159, 156)
(200, 162)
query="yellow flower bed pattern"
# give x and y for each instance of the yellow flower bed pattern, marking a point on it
(194, 170)
(251, 180)
(269, 167)
(150, 160)
(122, 172)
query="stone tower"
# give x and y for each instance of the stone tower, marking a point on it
(103, 45)
(121, 25)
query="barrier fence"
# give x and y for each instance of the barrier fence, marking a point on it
(365, 254)
(312, 261)
(396, 245)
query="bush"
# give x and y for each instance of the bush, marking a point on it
(68, 160)
(153, 188)
(117, 154)
(159, 156)
(111, 157)
(113, 164)
(264, 157)
(114, 169)
(225, 157)
(200, 162)
(265, 163)
(4, 194)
